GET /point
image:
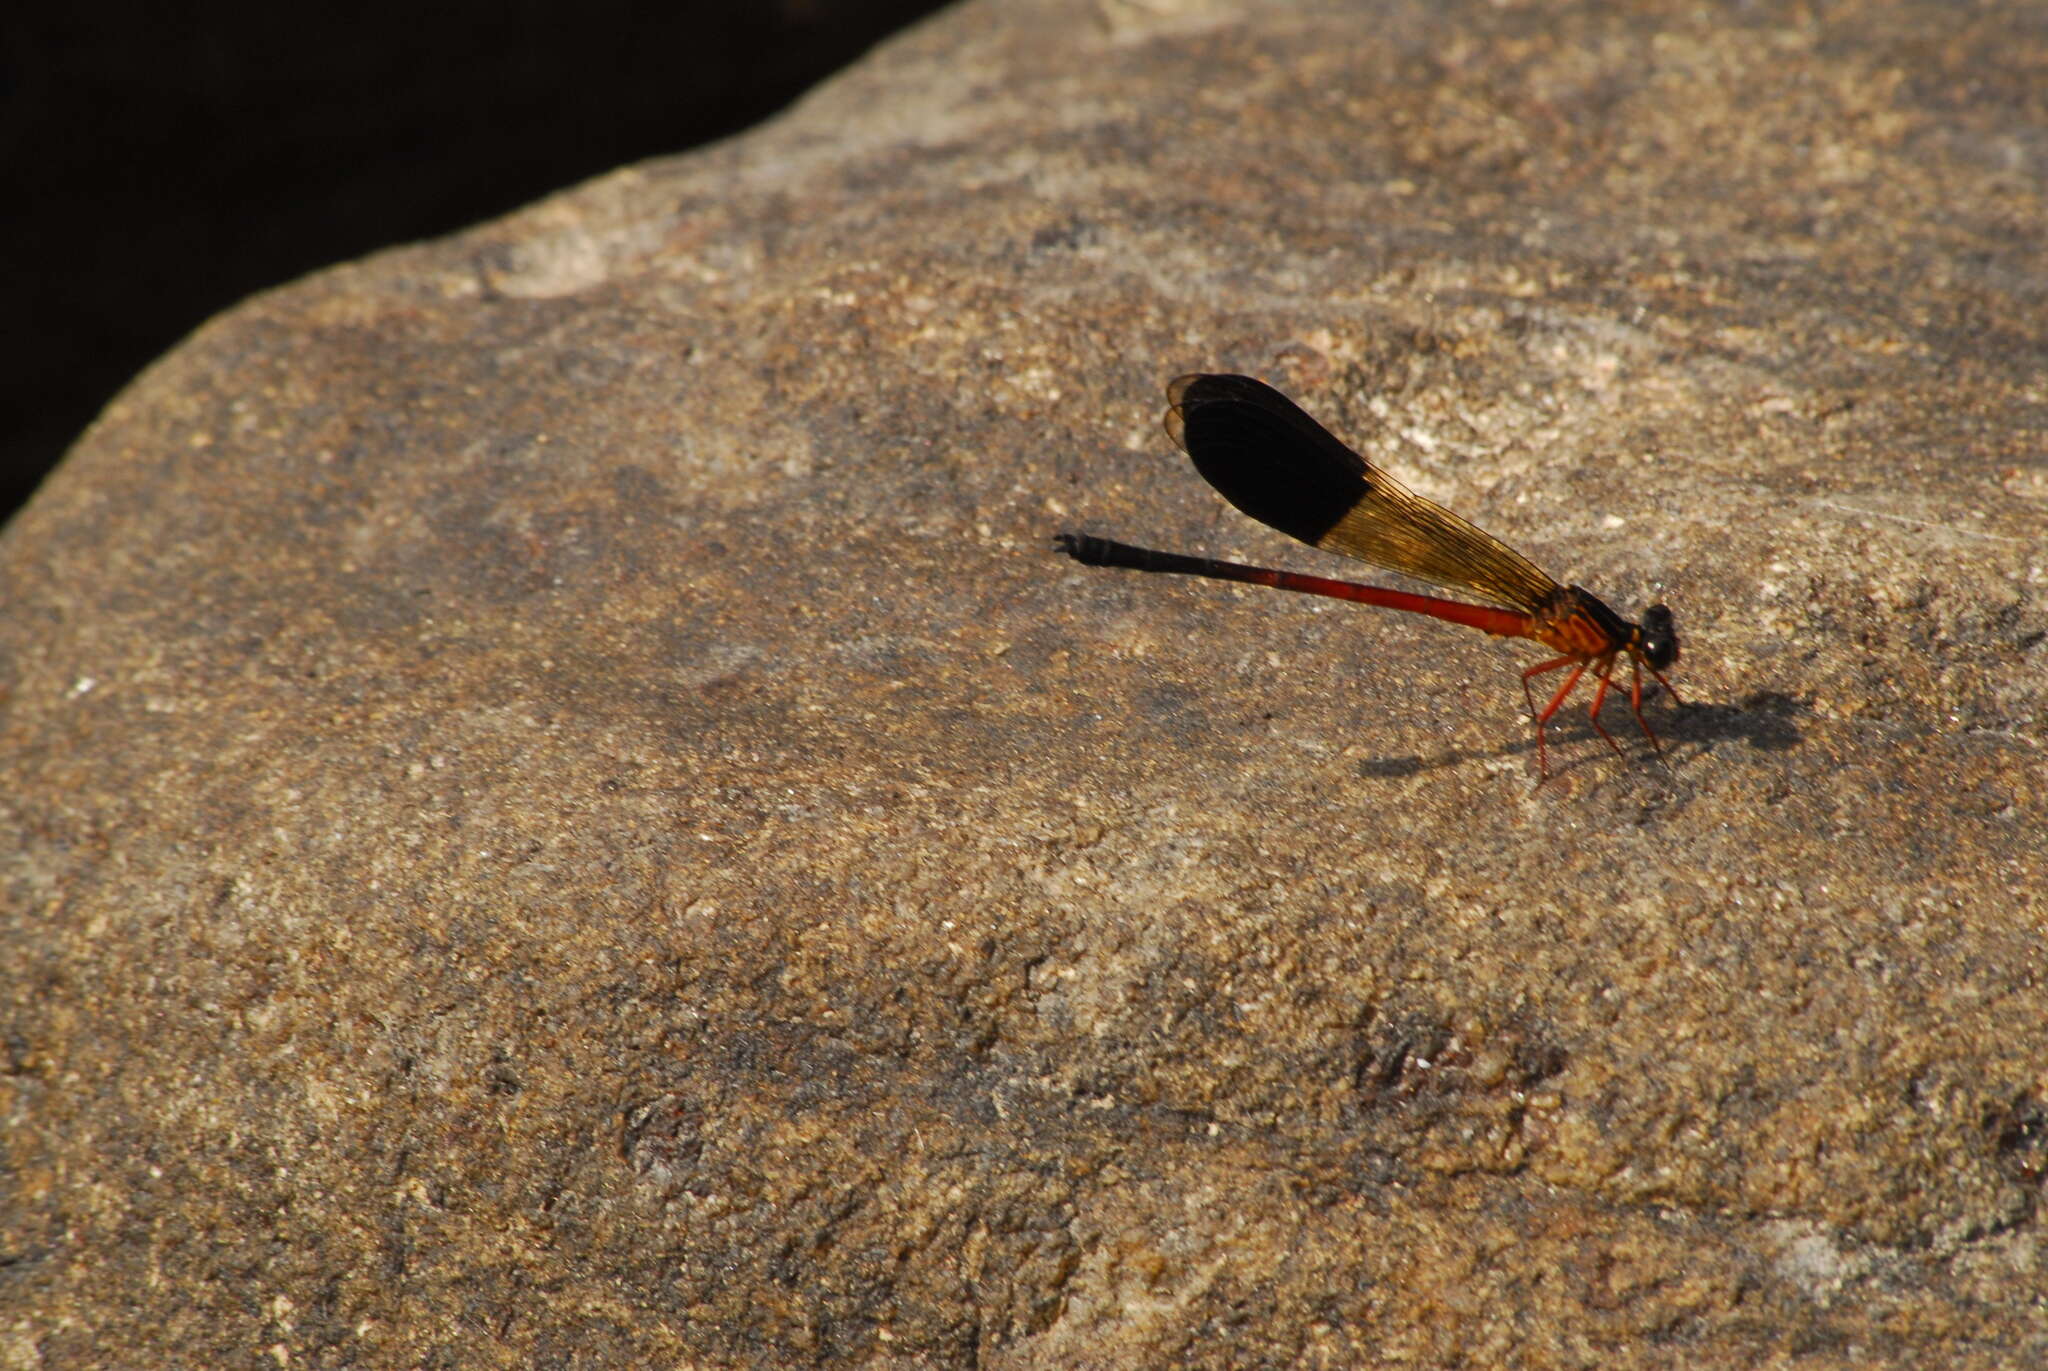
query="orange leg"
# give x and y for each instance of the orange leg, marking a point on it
(1542, 718)
(1635, 702)
(1667, 686)
(1605, 675)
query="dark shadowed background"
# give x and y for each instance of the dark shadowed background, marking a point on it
(162, 162)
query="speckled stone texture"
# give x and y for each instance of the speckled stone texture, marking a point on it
(562, 811)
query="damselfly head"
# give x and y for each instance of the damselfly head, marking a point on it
(1659, 644)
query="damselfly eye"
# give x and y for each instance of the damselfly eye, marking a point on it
(1660, 637)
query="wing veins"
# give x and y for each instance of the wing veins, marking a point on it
(1274, 462)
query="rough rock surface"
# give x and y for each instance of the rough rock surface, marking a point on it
(562, 811)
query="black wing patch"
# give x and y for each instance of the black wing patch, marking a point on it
(1265, 455)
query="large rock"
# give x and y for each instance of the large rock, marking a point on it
(565, 812)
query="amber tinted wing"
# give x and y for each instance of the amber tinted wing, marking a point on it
(1266, 456)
